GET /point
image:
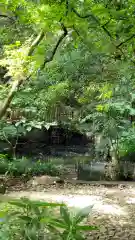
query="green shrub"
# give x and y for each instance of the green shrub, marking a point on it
(32, 220)
(3, 163)
(41, 168)
(17, 167)
(3, 157)
(3, 166)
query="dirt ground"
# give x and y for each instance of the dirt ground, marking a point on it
(113, 210)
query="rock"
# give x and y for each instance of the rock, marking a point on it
(43, 180)
(60, 183)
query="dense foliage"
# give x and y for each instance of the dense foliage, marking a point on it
(71, 63)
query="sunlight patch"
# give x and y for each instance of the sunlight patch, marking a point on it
(131, 200)
(110, 209)
(83, 201)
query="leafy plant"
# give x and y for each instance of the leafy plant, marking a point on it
(3, 163)
(70, 223)
(23, 166)
(3, 157)
(38, 220)
(42, 168)
(10, 134)
(18, 167)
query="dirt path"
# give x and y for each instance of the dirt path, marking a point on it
(113, 211)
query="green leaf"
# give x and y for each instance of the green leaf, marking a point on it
(38, 126)
(82, 214)
(12, 214)
(46, 204)
(18, 203)
(18, 123)
(78, 236)
(58, 223)
(10, 130)
(28, 128)
(25, 218)
(132, 112)
(65, 215)
(46, 219)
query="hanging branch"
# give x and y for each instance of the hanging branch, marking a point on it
(103, 27)
(85, 16)
(127, 40)
(90, 15)
(6, 16)
(67, 7)
(36, 43)
(107, 22)
(54, 50)
(64, 34)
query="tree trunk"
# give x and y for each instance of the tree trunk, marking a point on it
(9, 98)
(17, 83)
(114, 168)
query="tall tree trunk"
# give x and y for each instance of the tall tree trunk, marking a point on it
(114, 168)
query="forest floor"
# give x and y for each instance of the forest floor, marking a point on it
(113, 210)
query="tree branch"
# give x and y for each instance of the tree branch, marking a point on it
(50, 58)
(16, 84)
(102, 26)
(90, 15)
(76, 30)
(35, 43)
(5, 16)
(67, 7)
(85, 16)
(9, 98)
(107, 22)
(6, 139)
(127, 40)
